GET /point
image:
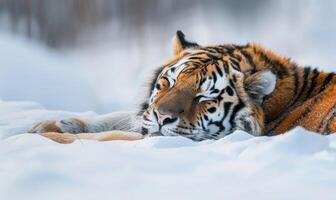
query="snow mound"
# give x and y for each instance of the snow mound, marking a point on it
(296, 165)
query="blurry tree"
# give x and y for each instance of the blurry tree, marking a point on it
(59, 22)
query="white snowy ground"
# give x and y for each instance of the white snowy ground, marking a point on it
(297, 165)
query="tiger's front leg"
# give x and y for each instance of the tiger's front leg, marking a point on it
(67, 138)
(71, 125)
(120, 124)
(125, 121)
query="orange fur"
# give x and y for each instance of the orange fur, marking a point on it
(303, 103)
(302, 96)
(66, 138)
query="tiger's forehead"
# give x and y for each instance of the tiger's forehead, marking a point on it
(190, 64)
(174, 69)
(183, 63)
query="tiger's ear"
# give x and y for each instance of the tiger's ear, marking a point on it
(260, 84)
(180, 43)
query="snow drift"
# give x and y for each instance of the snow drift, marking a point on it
(296, 165)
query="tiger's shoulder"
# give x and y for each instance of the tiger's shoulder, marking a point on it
(303, 96)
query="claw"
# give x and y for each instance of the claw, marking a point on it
(47, 126)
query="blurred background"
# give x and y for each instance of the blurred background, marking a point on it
(96, 55)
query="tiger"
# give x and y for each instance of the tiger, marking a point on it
(209, 92)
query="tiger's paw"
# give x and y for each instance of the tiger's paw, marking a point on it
(71, 125)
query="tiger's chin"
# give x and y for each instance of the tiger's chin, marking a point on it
(153, 129)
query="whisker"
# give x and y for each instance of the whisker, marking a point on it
(196, 134)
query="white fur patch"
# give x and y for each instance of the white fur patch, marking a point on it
(269, 80)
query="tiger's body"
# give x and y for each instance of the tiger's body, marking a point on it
(207, 92)
(303, 96)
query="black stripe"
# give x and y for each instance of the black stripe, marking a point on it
(229, 49)
(214, 91)
(198, 53)
(202, 81)
(304, 113)
(211, 56)
(279, 68)
(237, 57)
(296, 84)
(328, 124)
(145, 105)
(234, 78)
(144, 131)
(327, 81)
(194, 58)
(226, 67)
(219, 71)
(219, 123)
(227, 106)
(214, 77)
(249, 59)
(205, 60)
(236, 109)
(219, 97)
(153, 81)
(306, 72)
(212, 109)
(296, 80)
(229, 91)
(235, 64)
(197, 98)
(325, 121)
(247, 126)
(231, 84)
(307, 110)
(206, 117)
(184, 43)
(312, 84)
(202, 123)
(212, 49)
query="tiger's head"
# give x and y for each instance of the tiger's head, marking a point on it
(202, 93)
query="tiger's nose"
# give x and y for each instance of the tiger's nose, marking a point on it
(163, 118)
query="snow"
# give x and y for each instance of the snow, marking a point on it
(296, 165)
(31, 72)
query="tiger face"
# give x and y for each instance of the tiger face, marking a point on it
(202, 94)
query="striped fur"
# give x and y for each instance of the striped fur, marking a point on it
(303, 96)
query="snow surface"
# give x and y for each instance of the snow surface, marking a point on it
(296, 165)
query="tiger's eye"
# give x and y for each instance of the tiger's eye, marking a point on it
(163, 83)
(214, 91)
(197, 99)
(212, 109)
